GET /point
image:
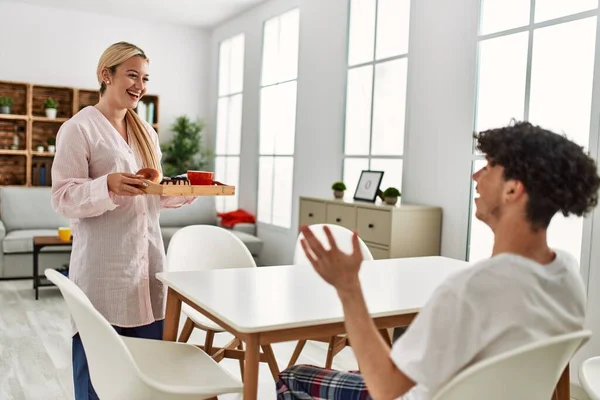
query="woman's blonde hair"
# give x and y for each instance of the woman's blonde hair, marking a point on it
(112, 57)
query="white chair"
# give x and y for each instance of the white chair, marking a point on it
(343, 239)
(589, 377)
(140, 369)
(202, 247)
(529, 372)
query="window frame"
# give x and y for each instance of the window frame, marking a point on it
(274, 156)
(229, 96)
(530, 28)
(374, 62)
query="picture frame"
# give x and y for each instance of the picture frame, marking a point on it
(368, 185)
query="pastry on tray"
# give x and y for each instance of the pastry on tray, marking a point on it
(175, 180)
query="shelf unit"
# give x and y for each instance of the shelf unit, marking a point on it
(20, 161)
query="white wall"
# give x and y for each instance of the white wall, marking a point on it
(441, 82)
(441, 97)
(62, 47)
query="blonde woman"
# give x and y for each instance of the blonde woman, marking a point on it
(117, 246)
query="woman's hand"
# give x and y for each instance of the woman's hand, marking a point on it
(336, 267)
(124, 184)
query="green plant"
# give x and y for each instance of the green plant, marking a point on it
(338, 186)
(391, 192)
(50, 103)
(186, 150)
(51, 141)
(6, 101)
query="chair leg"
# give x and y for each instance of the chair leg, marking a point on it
(186, 332)
(268, 351)
(242, 362)
(220, 354)
(386, 336)
(330, 352)
(208, 343)
(297, 352)
(339, 346)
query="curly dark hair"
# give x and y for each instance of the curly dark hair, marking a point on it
(557, 174)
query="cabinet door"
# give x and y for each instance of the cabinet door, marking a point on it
(374, 226)
(341, 215)
(311, 212)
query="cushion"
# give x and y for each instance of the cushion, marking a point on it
(253, 243)
(29, 208)
(21, 241)
(203, 211)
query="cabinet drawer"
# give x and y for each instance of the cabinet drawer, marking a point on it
(378, 253)
(341, 215)
(374, 225)
(311, 212)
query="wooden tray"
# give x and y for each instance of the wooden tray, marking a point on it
(218, 189)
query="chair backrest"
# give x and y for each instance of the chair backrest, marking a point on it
(113, 371)
(528, 372)
(589, 371)
(342, 236)
(201, 247)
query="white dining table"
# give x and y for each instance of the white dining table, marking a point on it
(266, 305)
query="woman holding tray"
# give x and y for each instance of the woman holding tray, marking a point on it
(117, 242)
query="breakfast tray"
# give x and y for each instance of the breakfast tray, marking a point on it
(217, 189)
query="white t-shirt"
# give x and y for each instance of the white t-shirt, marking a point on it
(496, 305)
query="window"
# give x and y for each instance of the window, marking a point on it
(229, 118)
(376, 90)
(278, 119)
(536, 65)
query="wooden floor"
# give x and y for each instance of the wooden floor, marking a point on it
(35, 348)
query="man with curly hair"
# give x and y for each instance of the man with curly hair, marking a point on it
(526, 291)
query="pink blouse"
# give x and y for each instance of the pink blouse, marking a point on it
(117, 242)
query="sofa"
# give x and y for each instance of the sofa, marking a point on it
(27, 212)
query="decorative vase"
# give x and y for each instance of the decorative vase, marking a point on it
(338, 194)
(40, 149)
(51, 148)
(51, 113)
(391, 200)
(4, 109)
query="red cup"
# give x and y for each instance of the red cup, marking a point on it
(200, 177)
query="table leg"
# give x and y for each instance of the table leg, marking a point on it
(563, 387)
(172, 314)
(251, 370)
(36, 271)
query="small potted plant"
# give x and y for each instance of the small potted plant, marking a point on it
(51, 145)
(40, 148)
(338, 189)
(391, 195)
(51, 106)
(5, 104)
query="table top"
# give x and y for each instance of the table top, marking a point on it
(49, 241)
(282, 297)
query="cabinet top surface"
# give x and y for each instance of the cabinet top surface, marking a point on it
(378, 205)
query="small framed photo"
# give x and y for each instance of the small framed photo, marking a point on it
(368, 186)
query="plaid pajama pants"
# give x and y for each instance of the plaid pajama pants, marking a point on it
(306, 382)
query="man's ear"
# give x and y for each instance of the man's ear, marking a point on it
(513, 190)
